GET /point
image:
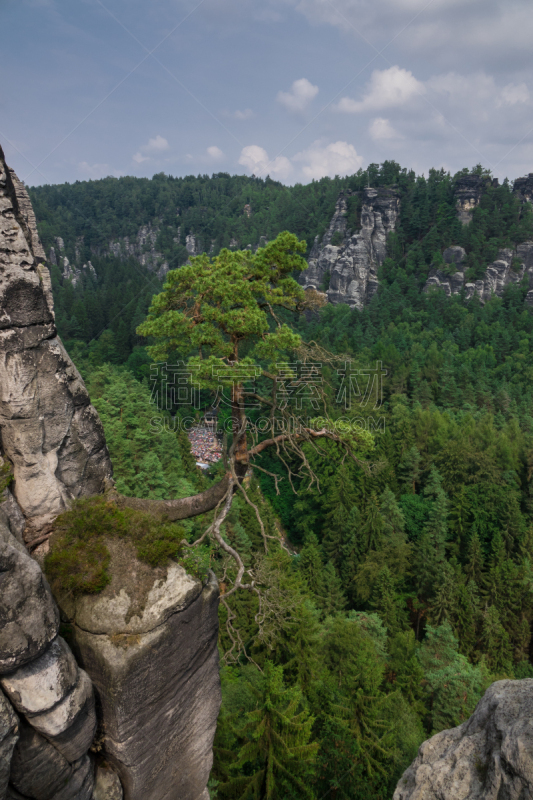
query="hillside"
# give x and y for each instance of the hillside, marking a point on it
(409, 592)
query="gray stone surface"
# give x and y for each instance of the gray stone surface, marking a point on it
(81, 783)
(467, 193)
(44, 682)
(38, 770)
(510, 267)
(488, 757)
(159, 692)
(353, 264)
(48, 429)
(9, 734)
(14, 517)
(107, 785)
(29, 618)
(71, 724)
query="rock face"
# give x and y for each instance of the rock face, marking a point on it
(523, 188)
(48, 428)
(149, 642)
(468, 190)
(489, 757)
(152, 656)
(352, 260)
(9, 735)
(41, 679)
(511, 267)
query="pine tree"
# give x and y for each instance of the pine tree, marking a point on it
(496, 643)
(333, 599)
(409, 470)
(311, 566)
(275, 753)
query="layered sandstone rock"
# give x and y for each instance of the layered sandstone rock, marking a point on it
(352, 260)
(489, 757)
(467, 193)
(49, 430)
(510, 267)
(149, 643)
(40, 679)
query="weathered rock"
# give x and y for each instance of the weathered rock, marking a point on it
(523, 188)
(12, 514)
(38, 770)
(9, 734)
(353, 264)
(107, 785)
(467, 193)
(29, 618)
(510, 267)
(157, 680)
(48, 429)
(44, 682)
(81, 783)
(489, 757)
(70, 726)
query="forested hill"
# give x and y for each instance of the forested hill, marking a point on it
(412, 588)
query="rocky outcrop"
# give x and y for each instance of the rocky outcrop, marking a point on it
(523, 188)
(150, 647)
(511, 267)
(9, 735)
(467, 194)
(41, 681)
(49, 430)
(149, 643)
(489, 757)
(351, 261)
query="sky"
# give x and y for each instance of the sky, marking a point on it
(294, 89)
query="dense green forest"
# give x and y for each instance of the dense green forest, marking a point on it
(407, 588)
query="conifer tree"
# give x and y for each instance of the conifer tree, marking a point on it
(276, 753)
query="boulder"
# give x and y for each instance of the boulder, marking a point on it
(29, 618)
(9, 734)
(151, 651)
(38, 770)
(71, 724)
(488, 757)
(107, 785)
(44, 682)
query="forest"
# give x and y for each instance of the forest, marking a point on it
(396, 587)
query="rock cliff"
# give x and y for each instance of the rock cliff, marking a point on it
(510, 267)
(49, 431)
(154, 660)
(468, 191)
(488, 757)
(351, 260)
(150, 646)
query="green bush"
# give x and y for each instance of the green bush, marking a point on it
(78, 561)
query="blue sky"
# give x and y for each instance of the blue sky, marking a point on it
(296, 89)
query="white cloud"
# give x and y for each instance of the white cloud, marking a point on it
(512, 94)
(154, 146)
(96, 170)
(339, 158)
(301, 94)
(387, 88)
(381, 129)
(246, 114)
(215, 153)
(255, 160)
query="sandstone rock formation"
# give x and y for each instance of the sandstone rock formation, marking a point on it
(510, 267)
(48, 429)
(467, 193)
(352, 260)
(523, 188)
(489, 757)
(149, 643)
(40, 678)
(155, 665)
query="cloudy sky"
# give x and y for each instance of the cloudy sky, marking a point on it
(297, 89)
